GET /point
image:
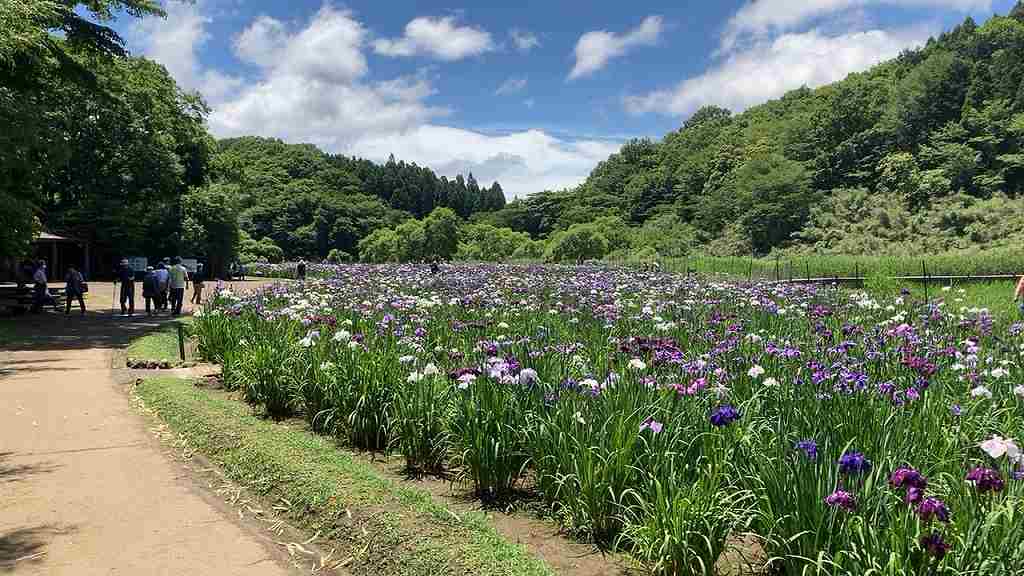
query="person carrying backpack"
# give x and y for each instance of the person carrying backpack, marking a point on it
(75, 289)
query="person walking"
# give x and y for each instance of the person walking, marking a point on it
(300, 270)
(198, 279)
(126, 276)
(149, 286)
(74, 290)
(40, 293)
(179, 283)
(163, 282)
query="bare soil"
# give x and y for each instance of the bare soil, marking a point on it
(85, 488)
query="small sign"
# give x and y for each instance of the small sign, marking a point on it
(138, 263)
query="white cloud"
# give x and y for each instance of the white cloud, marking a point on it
(769, 69)
(511, 86)
(312, 83)
(441, 38)
(523, 162)
(761, 17)
(262, 42)
(594, 49)
(312, 86)
(174, 41)
(524, 40)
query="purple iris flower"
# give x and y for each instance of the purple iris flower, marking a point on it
(841, 499)
(724, 415)
(908, 478)
(854, 463)
(808, 447)
(986, 480)
(933, 508)
(934, 545)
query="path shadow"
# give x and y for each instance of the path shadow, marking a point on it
(26, 545)
(56, 332)
(18, 472)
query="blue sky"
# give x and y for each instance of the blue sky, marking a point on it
(531, 93)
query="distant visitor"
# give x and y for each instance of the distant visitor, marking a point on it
(75, 290)
(126, 276)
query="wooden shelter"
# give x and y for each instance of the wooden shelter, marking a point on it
(59, 252)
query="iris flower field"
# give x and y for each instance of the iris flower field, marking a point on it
(677, 419)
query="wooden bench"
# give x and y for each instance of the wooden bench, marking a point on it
(21, 299)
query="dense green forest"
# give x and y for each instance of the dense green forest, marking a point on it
(107, 148)
(924, 153)
(309, 203)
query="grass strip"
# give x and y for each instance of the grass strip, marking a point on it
(379, 526)
(160, 345)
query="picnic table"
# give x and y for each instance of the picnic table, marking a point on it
(20, 298)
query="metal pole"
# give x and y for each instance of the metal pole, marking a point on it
(181, 341)
(924, 272)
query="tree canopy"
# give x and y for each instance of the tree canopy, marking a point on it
(942, 122)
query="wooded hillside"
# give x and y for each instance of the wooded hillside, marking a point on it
(924, 152)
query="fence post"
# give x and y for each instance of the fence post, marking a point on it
(807, 269)
(924, 273)
(777, 268)
(181, 341)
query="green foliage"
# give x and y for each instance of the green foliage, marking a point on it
(934, 123)
(264, 250)
(381, 245)
(81, 121)
(421, 415)
(667, 235)
(268, 369)
(530, 250)
(441, 231)
(485, 243)
(490, 447)
(778, 193)
(411, 243)
(310, 202)
(338, 257)
(18, 224)
(580, 242)
(210, 226)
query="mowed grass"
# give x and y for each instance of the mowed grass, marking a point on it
(996, 297)
(378, 526)
(161, 345)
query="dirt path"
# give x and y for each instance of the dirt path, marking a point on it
(84, 486)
